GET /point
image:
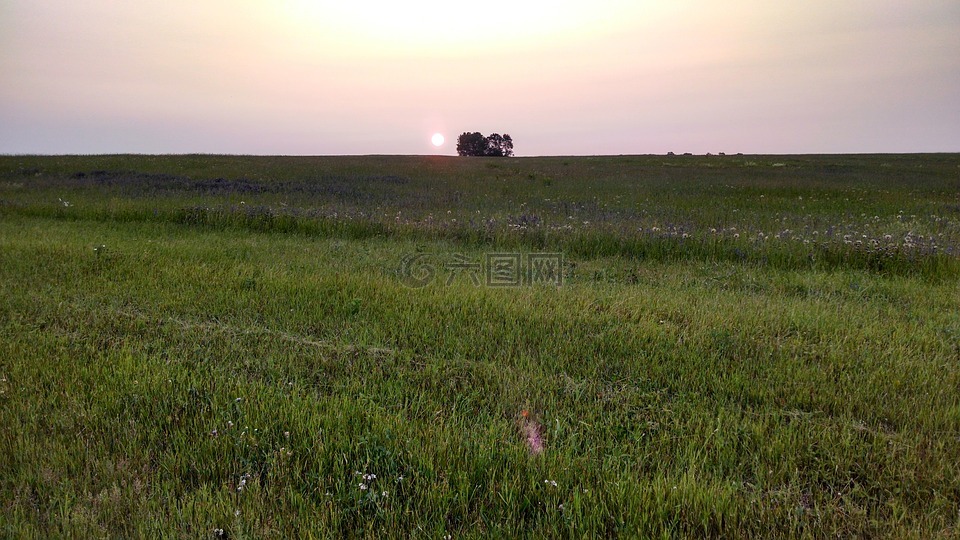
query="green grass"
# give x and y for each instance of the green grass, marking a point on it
(181, 354)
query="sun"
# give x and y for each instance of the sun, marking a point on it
(437, 139)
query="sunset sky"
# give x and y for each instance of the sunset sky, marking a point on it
(561, 77)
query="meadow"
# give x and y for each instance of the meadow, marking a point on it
(246, 347)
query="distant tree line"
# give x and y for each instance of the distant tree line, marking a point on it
(475, 144)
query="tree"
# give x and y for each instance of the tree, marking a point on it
(499, 145)
(472, 144)
(475, 144)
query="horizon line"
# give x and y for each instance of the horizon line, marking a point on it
(675, 154)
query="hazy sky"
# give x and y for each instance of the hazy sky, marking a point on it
(561, 77)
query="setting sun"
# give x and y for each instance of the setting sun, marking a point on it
(437, 139)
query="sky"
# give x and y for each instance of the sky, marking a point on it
(561, 77)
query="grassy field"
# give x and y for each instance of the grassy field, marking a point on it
(244, 347)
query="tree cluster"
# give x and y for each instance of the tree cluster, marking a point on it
(475, 144)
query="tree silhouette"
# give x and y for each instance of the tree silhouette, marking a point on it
(499, 145)
(472, 144)
(475, 144)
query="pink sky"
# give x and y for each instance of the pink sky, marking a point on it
(562, 77)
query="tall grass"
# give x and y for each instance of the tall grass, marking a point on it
(186, 360)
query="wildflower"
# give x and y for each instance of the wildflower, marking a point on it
(384, 494)
(551, 483)
(213, 433)
(243, 481)
(236, 512)
(218, 532)
(363, 487)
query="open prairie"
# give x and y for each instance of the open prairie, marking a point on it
(433, 347)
